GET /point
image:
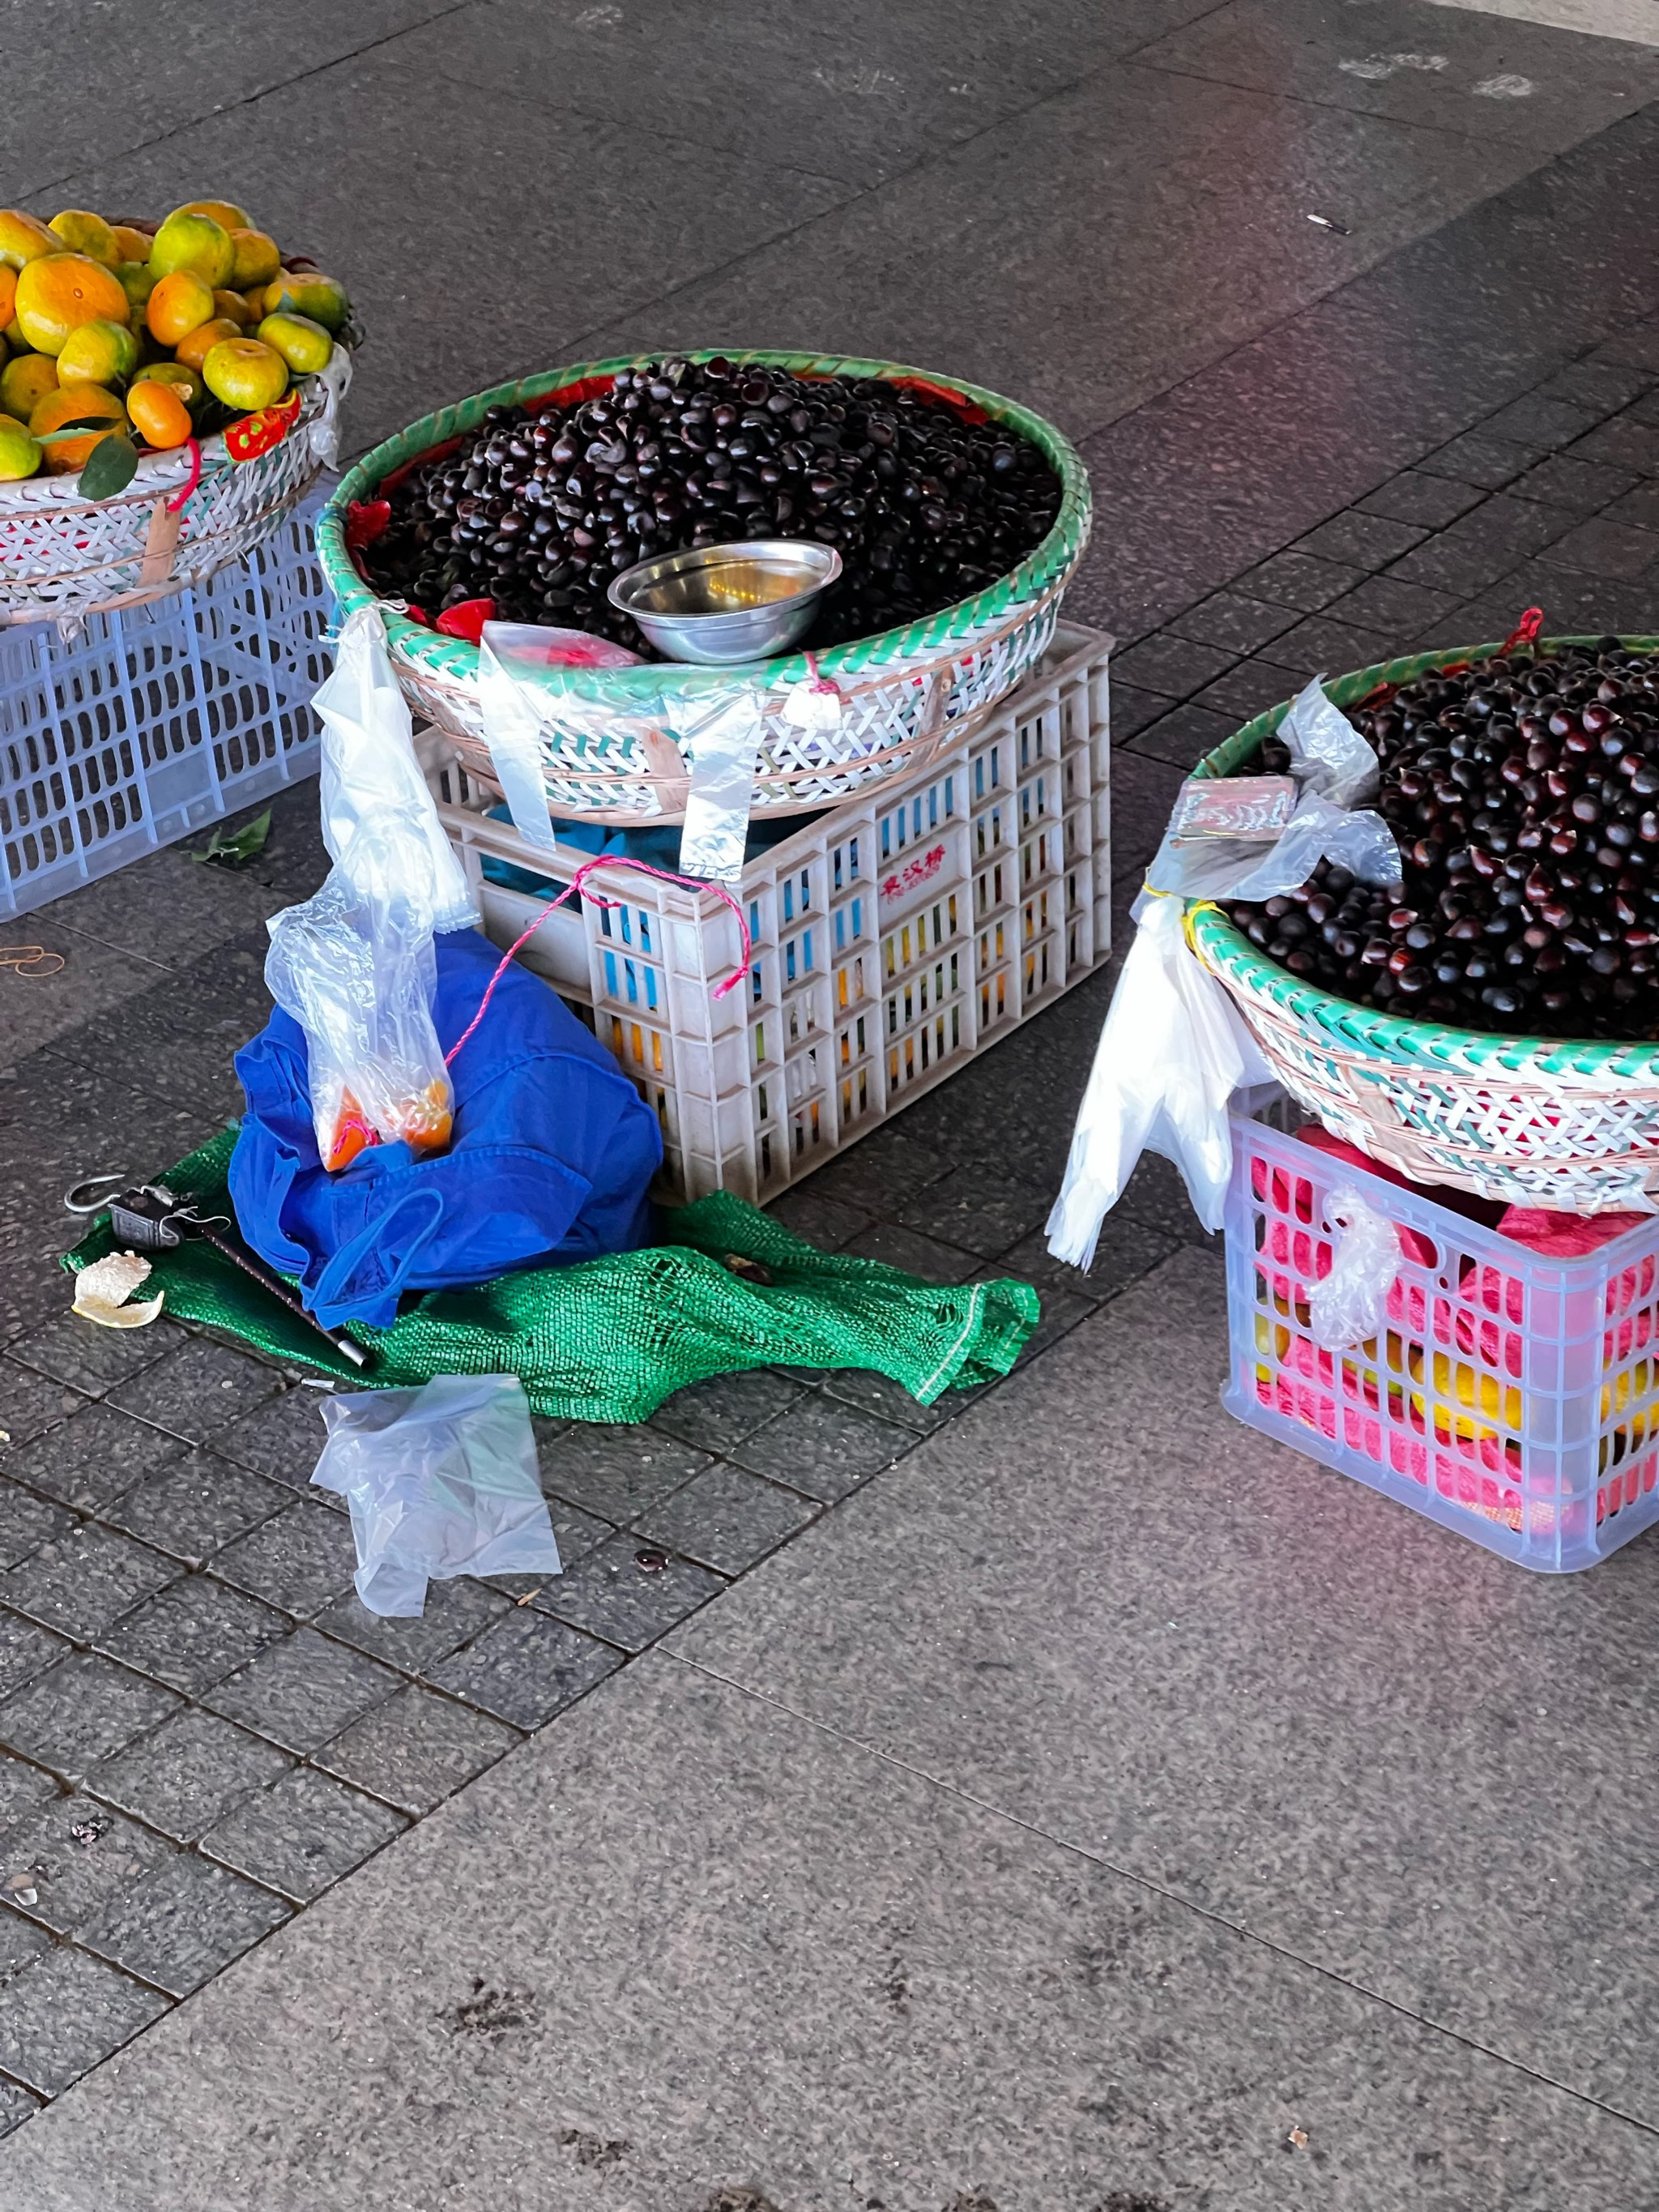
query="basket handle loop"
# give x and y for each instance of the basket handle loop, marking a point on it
(161, 542)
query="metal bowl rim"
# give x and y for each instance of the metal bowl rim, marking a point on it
(700, 557)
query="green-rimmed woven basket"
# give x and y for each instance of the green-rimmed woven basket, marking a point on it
(1526, 1121)
(605, 753)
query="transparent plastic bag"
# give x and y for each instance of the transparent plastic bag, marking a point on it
(440, 1481)
(1174, 1049)
(701, 740)
(1350, 1304)
(354, 965)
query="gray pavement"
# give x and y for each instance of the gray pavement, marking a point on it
(1063, 1800)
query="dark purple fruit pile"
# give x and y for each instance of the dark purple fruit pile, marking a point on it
(1524, 797)
(538, 511)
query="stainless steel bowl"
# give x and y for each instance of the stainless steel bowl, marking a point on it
(722, 604)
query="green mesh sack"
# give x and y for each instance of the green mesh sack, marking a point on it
(609, 1339)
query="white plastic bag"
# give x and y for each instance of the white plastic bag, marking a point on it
(1173, 1048)
(1350, 1304)
(442, 1481)
(354, 965)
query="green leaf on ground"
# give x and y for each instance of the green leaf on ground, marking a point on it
(241, 845)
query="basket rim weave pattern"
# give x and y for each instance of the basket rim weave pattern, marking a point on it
(1227, 952)
(1044, 570)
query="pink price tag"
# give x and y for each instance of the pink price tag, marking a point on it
(1249, 806)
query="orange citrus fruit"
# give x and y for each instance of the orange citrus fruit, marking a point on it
(58, 292)
(130, 243)
(136, 281)
(245, 374)
(24, 236)
(69, 405)
(196, 242)
(20, 454)
(225, 213)
(186, 382)
(98, 353)
(25, 382)
(158, 411)
(179, 303)
(304, 345)
(232, 307)
(258, 258)
(82, 232)
(194, 350)
(8, 293)
(308, 292)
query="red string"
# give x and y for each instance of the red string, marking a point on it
(608, 860)
(176, 503)
(1524, 633)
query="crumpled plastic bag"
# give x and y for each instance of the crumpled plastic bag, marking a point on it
(354, 964)
(1349, 1305)
(1174, 1049)
(442, 1481)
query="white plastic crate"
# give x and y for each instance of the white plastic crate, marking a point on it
(893, 938)
(1511, 1398)
(139, 726)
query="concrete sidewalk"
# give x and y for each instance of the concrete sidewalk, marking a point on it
(1059, 1799)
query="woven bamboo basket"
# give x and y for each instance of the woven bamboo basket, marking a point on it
(63, 557)
(611, 758)
(1525, 1120)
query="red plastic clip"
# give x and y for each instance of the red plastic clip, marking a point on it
(366, 520)
(1525, 633)
(466, 620)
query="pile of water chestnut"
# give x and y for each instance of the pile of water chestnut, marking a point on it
(538, 511)
(1524, 793)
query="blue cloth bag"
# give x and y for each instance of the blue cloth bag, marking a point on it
(552, 1155)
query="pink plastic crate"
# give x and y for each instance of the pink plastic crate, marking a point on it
(1511, 1398)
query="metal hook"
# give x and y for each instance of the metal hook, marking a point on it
(77, 1201)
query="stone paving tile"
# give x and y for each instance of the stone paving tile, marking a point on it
(1479, 457)
(526, 1668)
(628, 1593)
(31, 1403)
(885, 1164)
(575, 1532)
(28, 1525)
(812, 1214)
(977, 1208)
(454, 1613)
(23, 1790)
(282, 1438)
(65, 2013)
(1579, 486)
(26, 1650)
(1430, 502)
(1184, 737)
(823, 1446)
(1600, 386)
(613, 1471)
(80, 1712)
(1605, 548)
(721, 1411)
(1326, 645)
(727, 1519)
(95, 1456)
(31, 1287)
(1173, 665)
(83, 1857)
(1363, 541)
(1128, 1250)
(892, 1401)
(1624, 443)
(303, 1691)
(925, 1256)
(16, 2106)
(1229, 619)
(197, 1388)
(1298, 581)
(85, 1579)
(1639, 505)
(298, 1559)
(1487, 543)
(1132, 709)
(189, 1773)
(185, 1923)
(302, 1833)
(196, 1505)
(194, 1634)
(1249, 689)
(1391, 606)
(95, 1359)
(1544, 422)
(417, 1749)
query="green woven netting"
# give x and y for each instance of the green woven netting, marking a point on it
(609, 1339)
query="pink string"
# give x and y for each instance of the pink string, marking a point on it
(821, 682)
(175, 505)
(609, 860)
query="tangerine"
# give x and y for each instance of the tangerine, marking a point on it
(245, 374)
(131, 243)
(304, 345)
(136, 281)
(179, 302)
(258, 258)
(20, 453)
(25, 382)
(98, 353)
(66, 456)
(225, 213)
(194, 350)
(58, 292)
(232, 307)
(184, 381)
(189, 240)
(159, 412)
(82, 231)
(308, 292)
(24, 236)
(8, 293)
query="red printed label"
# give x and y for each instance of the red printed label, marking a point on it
(918, 871)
